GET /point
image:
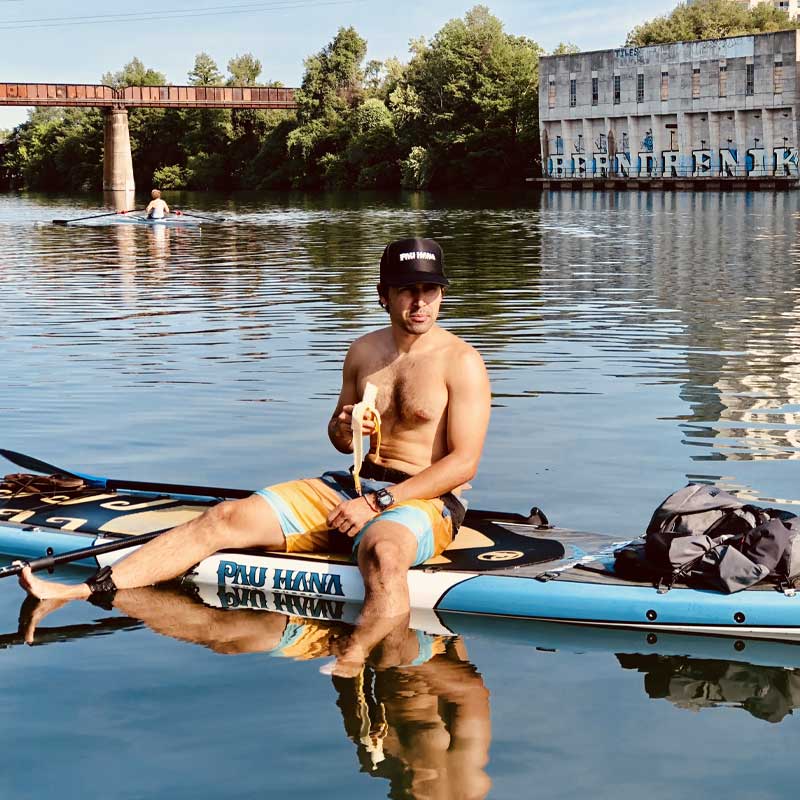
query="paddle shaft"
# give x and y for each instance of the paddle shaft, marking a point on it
(183, 213)
(95, 216)
(36, 465)
(48, 562)
(536, 517)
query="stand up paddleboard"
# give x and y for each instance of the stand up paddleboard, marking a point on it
(500, 563)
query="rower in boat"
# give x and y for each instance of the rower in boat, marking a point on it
(156, 208)
(433, 396)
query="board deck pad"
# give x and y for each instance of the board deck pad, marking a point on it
(480, 545)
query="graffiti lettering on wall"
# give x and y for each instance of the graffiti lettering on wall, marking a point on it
(682, 52)
(754, 162)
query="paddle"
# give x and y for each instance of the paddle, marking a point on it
(536, 518)
(35, 465)
(215, 218)
(51, 561)
(95, 216)
(64, 633)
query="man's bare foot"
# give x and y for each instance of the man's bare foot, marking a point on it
(348, 663)
(51, 590)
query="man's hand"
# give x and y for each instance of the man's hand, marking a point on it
(352, 515)
(340, 429)
(345, 420)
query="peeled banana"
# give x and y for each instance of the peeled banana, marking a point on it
(366, 406)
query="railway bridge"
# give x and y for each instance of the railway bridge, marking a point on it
(117, 159)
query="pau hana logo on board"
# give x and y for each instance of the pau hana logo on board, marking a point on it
(283, 580)
(291, 604)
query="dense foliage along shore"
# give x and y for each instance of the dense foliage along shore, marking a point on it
(462, 112)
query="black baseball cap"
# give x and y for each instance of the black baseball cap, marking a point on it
(409, 261)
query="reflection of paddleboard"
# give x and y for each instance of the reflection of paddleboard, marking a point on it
(295, 605)
(502, 631)
(498, 564)
(690, 671)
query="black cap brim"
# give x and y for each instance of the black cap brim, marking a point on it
(410, 278)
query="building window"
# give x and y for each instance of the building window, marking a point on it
(595, 92)
(617, 92)
(664, 85)
(778, 77)
(640, 88)
(723, 80)
(673, 140)
(749, 83)
(695, 82)
(573, 93)
(551, 92)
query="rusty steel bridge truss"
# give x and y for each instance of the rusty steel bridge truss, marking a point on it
(89, 94)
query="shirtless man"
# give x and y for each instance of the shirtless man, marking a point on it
(156, 208)
(434, 401)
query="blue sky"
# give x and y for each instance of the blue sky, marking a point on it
(281, 33)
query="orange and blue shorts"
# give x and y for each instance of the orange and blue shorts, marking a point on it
(304, 639)
(303, 506)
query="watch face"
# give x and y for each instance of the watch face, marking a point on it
(384, 498)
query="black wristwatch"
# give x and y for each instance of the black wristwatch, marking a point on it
(383, 499)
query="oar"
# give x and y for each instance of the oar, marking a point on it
(51, 561)
(95, 216)
(182, 213)
(35, 465)
(64, 633)
(536, 517)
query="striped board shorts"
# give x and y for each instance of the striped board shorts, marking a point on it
(303, 506)
(304, 639)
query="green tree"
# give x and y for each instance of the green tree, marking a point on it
(565, 49)
(205, 71)
(333, 78)
(710, 19)
(372, 156)
(171, 177)
(244, 70)
(57, 149)
(470, 98)
(332, 86)
(134, 73)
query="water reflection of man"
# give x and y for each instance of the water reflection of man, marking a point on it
(418, 712)
(425, 727)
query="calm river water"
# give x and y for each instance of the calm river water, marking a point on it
(634, 341)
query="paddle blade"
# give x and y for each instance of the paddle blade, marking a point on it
(31, 463)
(35, 465)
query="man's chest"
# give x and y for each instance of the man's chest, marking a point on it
(411, 393)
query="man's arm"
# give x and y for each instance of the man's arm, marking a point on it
(468, 410)
(340, 425)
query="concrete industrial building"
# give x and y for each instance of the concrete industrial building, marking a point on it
(716, 111)
(791, 7)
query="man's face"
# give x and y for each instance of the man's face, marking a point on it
(415, 307)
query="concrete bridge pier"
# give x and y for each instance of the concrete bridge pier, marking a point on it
(117, 159)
